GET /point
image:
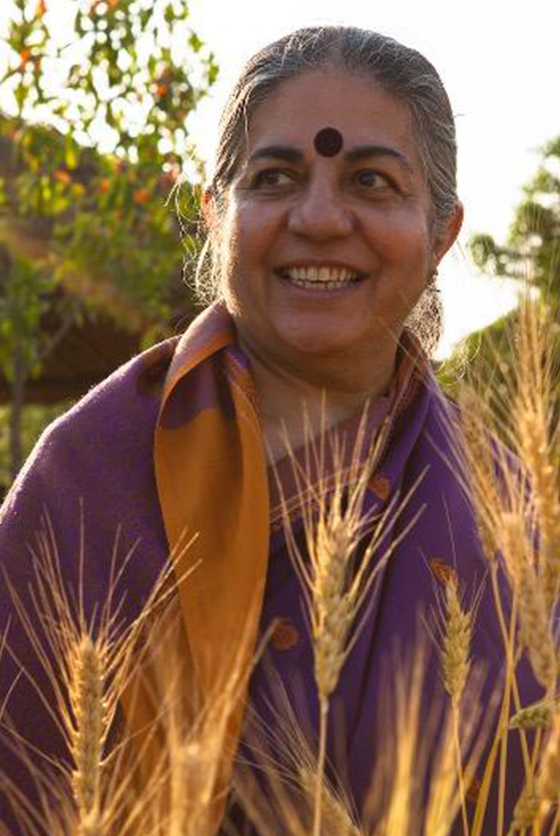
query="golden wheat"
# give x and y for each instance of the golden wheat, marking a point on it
(87, 700)
(548, 783)
(455, 642)
(186, 790)
(534, 615)
(335, 588)
(336, 817)
(536, 716)
(538, 444)
(526, 809)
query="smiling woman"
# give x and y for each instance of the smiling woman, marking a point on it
(332, 252)
(332, 203)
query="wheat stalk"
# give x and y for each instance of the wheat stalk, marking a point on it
(534, 615)
(285, 800)
(481, 463)
(89, 662)
(416, 783)
(455, 634)
(335, 589)
(539, 451)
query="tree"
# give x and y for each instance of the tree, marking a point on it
(86, 224)
(532, 251)
(531, 255)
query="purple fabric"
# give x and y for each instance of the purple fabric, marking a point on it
(422, 443)
(100, 455)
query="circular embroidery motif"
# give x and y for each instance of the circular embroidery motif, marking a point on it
(442, 571)
(285, 635)
(381, 486)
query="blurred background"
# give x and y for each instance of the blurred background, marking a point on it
(105, 105)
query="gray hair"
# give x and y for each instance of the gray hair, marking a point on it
(400, 70)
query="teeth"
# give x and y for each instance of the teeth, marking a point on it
(318, 285)
(336, 275)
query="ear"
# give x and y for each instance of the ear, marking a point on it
(208, 208)
(447, 238)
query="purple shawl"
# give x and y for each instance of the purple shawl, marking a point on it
(92, 472)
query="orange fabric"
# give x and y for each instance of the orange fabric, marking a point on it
(211, 468)
(212, 485)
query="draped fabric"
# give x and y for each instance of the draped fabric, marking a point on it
(170, 448)
(213, 483)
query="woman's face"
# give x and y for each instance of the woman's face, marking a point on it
(361, 221)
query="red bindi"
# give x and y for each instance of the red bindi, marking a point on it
(328, 142)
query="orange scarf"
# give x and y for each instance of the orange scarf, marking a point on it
(212, 482)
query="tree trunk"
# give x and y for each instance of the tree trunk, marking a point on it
(16, 414)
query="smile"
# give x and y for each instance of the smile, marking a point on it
(320, 277)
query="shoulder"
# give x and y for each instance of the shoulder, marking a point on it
(132, 391)
(127, 398)
(110, 427)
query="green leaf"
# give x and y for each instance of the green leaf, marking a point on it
(195, 42)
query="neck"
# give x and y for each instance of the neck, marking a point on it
(325, 396)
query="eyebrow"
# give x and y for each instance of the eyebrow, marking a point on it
(279, 152)
(362, 152)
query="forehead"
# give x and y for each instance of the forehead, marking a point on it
(359, 108)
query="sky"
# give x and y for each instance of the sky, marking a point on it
(498, 60)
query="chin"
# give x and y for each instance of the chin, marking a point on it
(319, 345)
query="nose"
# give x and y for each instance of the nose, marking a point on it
(320, 211)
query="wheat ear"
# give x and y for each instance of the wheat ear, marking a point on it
(548, 779)
(335, 589)
(336, 818)
(87, 700)
(456, 634)
(538, 715)
(533, 613)
(455, 642)
(537, 447)
(526, 810)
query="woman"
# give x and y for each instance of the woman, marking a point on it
(332, 203)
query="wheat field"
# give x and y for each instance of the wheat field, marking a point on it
(508, 457)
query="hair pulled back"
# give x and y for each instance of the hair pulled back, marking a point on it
(400, 70)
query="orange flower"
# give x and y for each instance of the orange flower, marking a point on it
(41, 8)
(105, 185)
(25, 57)
(62, 176)
(141, 195)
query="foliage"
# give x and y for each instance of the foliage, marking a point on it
(87, 226)
(22, 306)
(121, 82)
(35, 420)
(532, 252)
(531, 256)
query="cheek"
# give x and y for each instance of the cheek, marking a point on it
(410, 248)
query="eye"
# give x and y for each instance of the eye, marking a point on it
(370, 179)
(272, 177)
